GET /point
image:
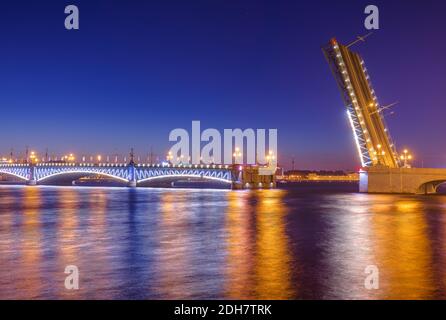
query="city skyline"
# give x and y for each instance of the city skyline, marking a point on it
(131, 75)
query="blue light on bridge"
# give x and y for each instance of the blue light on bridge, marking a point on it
(139, 173)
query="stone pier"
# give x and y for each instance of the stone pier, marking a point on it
(254, 177)
(379, 179)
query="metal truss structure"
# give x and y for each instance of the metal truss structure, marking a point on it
(123, 172)
(20, 171)
(46, 171)
(151, 173)
(374, 144)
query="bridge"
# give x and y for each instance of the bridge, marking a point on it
(133, 175)
(382, 169)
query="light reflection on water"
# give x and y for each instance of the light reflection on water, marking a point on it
(188, 244)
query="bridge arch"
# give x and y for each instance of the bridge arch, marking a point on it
(178, 176)
(13, 174)
(430, 187)
(79, 173)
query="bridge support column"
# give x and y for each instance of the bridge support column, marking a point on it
(32, 175)
(131, 172)
(254, 178)
(379, 179)
(363, 181)
(428, 188)
(131, 184)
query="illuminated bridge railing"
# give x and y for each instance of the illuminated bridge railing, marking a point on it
(46, 171)
(151, 173)
(21, 171)
(136, 173)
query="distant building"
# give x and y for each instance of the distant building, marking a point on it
(307, 175)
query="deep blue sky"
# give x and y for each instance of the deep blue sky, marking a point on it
(137, 69)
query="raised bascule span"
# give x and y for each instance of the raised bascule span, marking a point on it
(372, 137)
(381, 170)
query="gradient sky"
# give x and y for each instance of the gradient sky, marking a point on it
(138, 69)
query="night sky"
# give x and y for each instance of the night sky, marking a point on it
(138, 69)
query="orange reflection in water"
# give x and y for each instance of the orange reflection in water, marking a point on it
(440, 245)
(30, 244)
(68, 239)
(6, 222)
(240, 249)
(97, 268)
(258, 262)
(174, 262)
(273, 257)
(402, 249)
(68, 223)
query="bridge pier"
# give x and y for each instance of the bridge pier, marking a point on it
(428, 188)
(380, 179)
(253, 177)
(131, 184)
(131, 172)
(32, 175)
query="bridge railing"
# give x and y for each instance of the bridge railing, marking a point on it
(238, 175)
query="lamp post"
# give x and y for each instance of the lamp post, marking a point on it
(236, 154)
(380, 153)
(406, 157)
(33, 157)
(270, 157)
(169, 157)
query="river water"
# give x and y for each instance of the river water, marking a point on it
(302, 242)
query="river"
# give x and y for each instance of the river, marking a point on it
(305, 241)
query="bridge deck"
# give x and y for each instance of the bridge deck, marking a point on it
(236, 176)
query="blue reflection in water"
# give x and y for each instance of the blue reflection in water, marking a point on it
(187, 244)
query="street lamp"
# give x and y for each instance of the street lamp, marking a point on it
(236, 154)
(169, 157)
(380, 153)
(270, 157)
(33, 157)
(406, 157)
